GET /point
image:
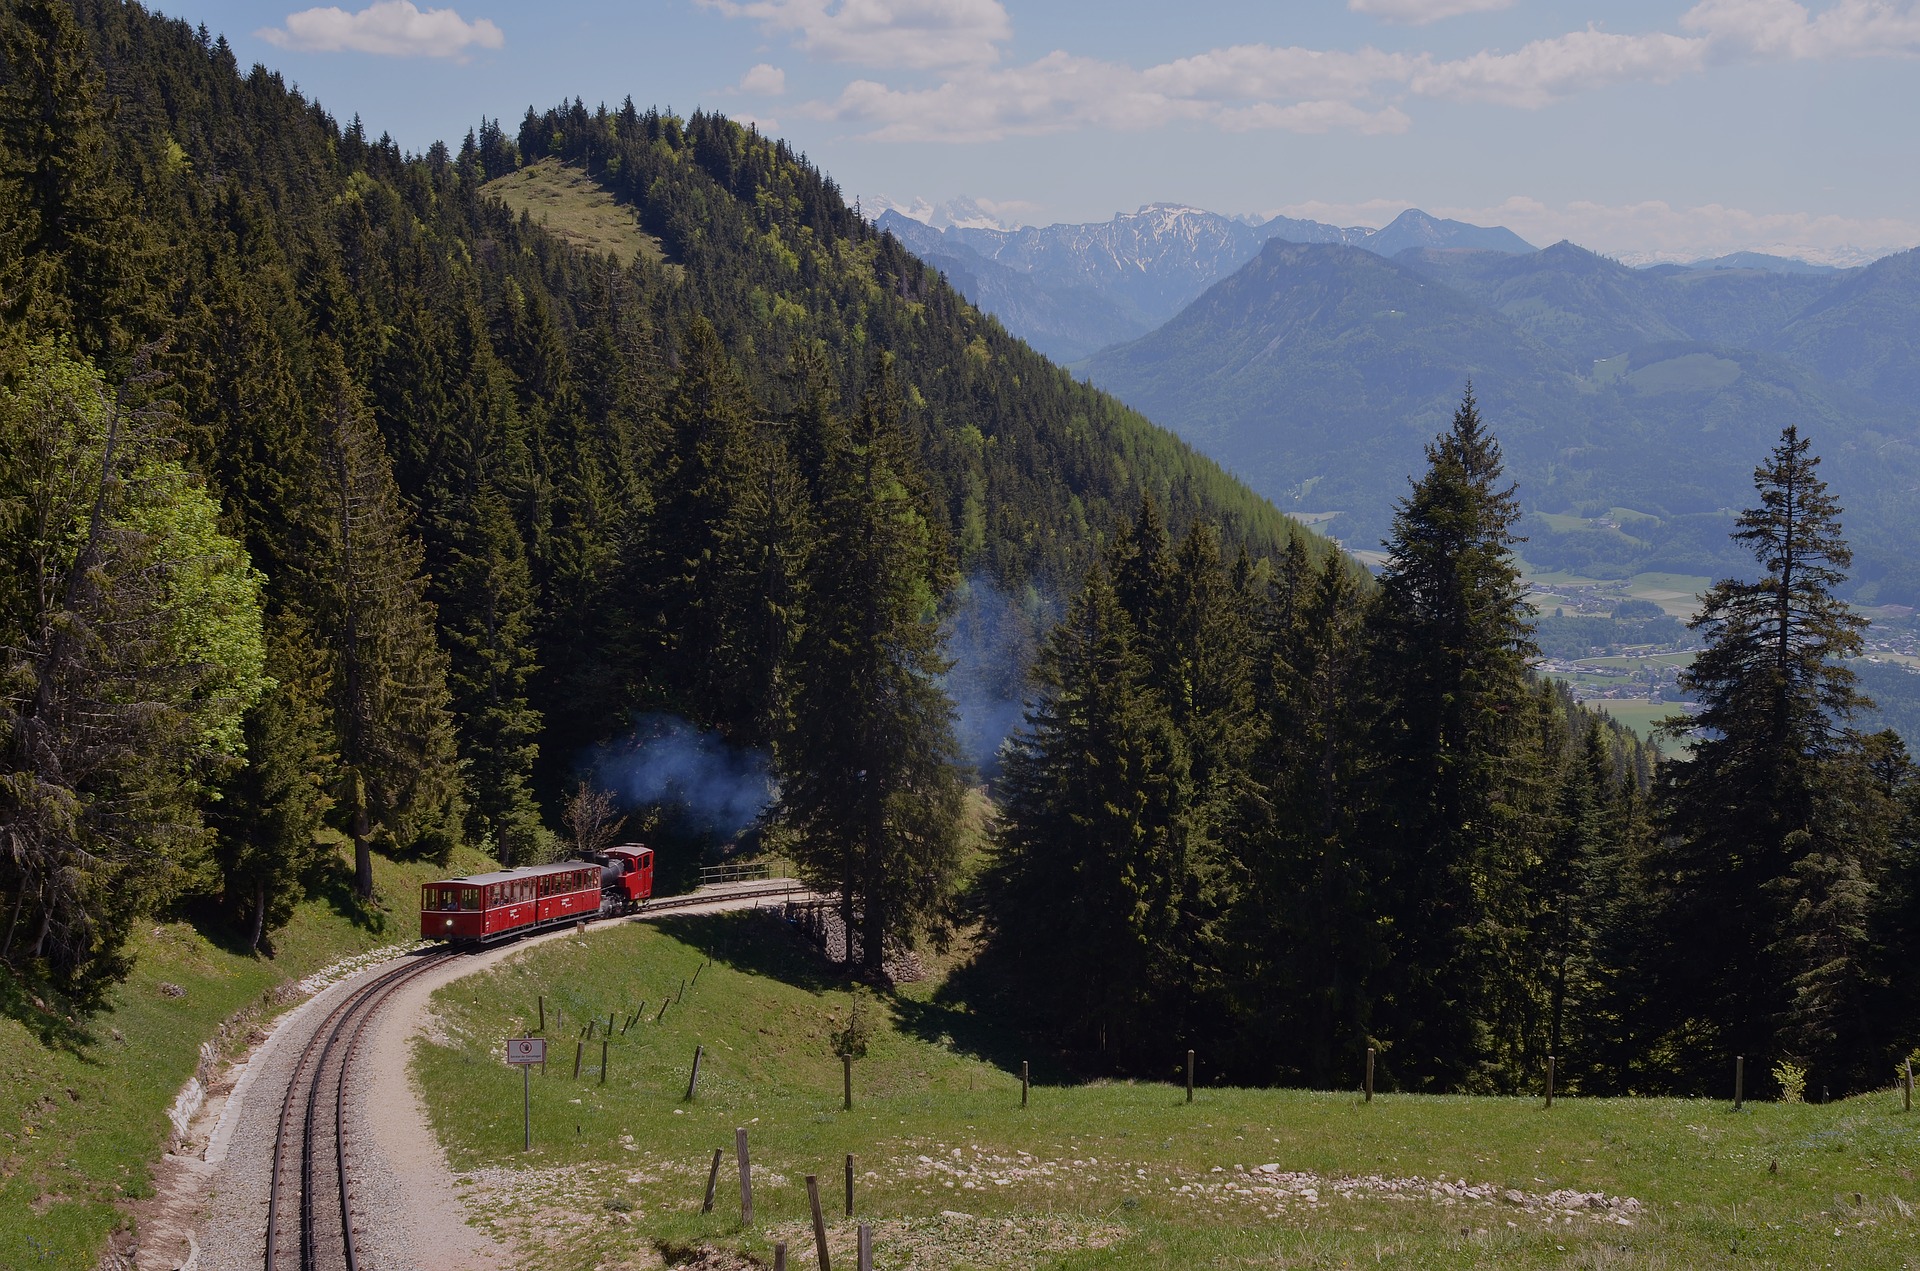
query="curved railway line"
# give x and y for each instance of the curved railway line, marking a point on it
(312, 1154)
(314, 1115)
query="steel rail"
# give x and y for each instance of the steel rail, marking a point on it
(355, 1007)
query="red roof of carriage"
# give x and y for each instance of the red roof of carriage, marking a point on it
(531, 871)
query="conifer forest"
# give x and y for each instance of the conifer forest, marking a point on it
(345, 511)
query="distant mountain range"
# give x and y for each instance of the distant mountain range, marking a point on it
(1070, 290)
(1633, 404)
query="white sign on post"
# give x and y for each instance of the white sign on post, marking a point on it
(525, 1052)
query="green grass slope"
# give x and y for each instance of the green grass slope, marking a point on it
(952, 1172)
(83, 1113)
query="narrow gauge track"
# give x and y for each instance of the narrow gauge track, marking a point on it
(319, 1077)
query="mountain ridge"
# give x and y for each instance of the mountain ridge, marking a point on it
(1070, 290)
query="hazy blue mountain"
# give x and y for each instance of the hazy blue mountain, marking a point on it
(1762, 261)
(1592, 307)
(1319, 371)
(1865, 333)
(1568, 298)
(1089, 286)
(1414, 229)
(1064, 322)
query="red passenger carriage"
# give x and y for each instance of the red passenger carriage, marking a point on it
(511, 901)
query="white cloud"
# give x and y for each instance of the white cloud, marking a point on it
(1783, 28)
(1260, 86)
(1256, 72)
(1546, 70)
(1237, 90)
(1645, 232)
(1421, 12)
(917, 34)
(764, 80)
(392, 28)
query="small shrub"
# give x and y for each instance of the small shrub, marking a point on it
(851, 1040)
(1792, 1078)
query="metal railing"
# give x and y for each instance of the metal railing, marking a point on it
(750, 872)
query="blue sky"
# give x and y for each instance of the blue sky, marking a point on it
(1638, 128)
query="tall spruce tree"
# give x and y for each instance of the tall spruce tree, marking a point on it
(399, 774)
(870, 778)
(1762, 866)
(1450, 639)
(1093, 791)
(72, 223)
(1308, 934)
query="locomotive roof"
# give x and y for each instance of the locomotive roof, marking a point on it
(530, 871)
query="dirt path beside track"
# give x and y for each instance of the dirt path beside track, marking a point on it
(208, 1210)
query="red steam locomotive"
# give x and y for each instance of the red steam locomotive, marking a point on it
(509, 902)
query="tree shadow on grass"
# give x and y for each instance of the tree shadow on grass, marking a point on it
(41, 1011)
(756, 943)
(764, 944)
(330, 881)
(961, 1017)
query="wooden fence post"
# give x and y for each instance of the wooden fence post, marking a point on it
(865, 1247)
(1369, 1082)
(1189, 1076)
(746, 1177)
(579, 1052)
(1023, 1083)
(779, 1255)
(683, 992)
(846, 1082)
(819, 1223)
(1549, 1081)
(543, 1014)
(693, 1078)
(849, 1184)
(713, 1180)
(1739, 1081)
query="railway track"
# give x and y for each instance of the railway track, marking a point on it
(311, 1153)
(777, 887)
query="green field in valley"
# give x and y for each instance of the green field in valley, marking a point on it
(83, 1118)
(953, 1172)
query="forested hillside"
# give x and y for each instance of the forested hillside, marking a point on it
(338, 494)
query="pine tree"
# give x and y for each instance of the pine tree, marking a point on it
(270, 806)
(1307, 929)
(1093, 792)
(1450, 638)
(73, 223)
(390, 703)
(1754, 836)
(486, 607)
(871, 786)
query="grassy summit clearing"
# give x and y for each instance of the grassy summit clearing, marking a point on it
(953, 1173)
(569, 204)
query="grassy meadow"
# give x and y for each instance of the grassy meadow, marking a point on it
(571, 205)
(953, 1173)
(83, 1108)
